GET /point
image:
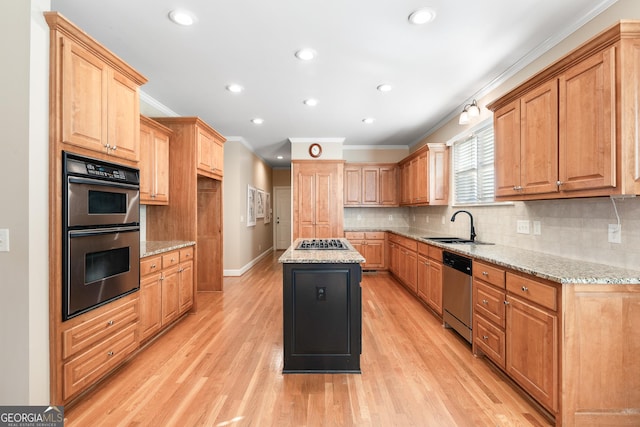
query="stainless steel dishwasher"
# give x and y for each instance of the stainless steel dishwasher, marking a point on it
(456, 293)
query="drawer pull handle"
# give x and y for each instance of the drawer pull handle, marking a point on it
(173, 260)
(484, 337)
(484, 301)
(110, 322)
(111, 353)
(484, 273)
(524, 289)
(506, 303)
(153, 266)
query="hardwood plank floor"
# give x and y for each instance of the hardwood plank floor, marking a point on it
(222, 367)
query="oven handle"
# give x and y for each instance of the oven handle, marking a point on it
(99, 231)
(89, 181)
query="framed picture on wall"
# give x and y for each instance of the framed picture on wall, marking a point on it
(267, 208)
(251, 206)
(260, 195)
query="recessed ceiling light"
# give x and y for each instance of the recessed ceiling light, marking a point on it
(422, 16)
(279, 157)
(385, 87)
(182, 17)
(311, 102)
(306, 54)
(257, 121)
(235, 88)
(368, 120)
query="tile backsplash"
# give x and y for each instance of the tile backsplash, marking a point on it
(571, 228)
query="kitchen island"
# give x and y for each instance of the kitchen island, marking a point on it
(322, 306)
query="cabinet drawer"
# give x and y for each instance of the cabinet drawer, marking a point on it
(423, 249)
(374, 235)
(85, 369)
(490, 340)
(354, 235)
(533, 290)
(172, 258)
(435, 253)
(92, 332)
(489, 303)
(150, 265)
(186, 254)
(489, 273)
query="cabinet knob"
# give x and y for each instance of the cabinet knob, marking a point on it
(153, 266)
(484, 273)
(559, 183)
(110, 323)
(484, 301)
(524, 289)
(114, 148)
(484, 337)
(506, 303)
(111, 353)
(517, 187)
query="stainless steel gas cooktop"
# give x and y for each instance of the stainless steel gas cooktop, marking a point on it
(322, 244)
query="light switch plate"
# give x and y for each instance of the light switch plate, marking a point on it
(536, 228)
(4, 240)
(522, 226)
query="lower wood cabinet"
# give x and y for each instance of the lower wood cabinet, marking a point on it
(166, 290)
(92, 347)
(403, 261)
(371, 245)
(430, 276)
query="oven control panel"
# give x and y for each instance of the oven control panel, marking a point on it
(105, 171)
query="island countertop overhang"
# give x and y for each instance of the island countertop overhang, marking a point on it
(314, 256)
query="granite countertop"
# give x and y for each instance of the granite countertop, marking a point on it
(156, 247)
(547, 266)
(306, 256)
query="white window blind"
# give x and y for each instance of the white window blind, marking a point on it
(473, 171)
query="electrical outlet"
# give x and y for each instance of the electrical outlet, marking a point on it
(414, 217)
(536, 228)
(241, 218)
(4, 240)
(390, 217)
(359, 218)
(615, 233)
(427, 218)
(442, 219)
(522, 226)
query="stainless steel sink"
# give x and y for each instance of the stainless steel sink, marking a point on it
(456, 241)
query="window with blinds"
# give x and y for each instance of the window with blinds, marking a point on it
(473, 172)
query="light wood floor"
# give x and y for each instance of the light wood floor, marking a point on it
(222, 367)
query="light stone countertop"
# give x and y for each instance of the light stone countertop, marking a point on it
(310, 256)
(156, 247)
(546, 266)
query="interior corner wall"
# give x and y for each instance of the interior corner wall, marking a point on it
(243, 245)
(24, 107)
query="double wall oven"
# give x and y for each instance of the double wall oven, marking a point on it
(101, 232)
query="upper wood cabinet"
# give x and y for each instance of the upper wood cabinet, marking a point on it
(570, 130)
(317, 199)
(425, 176)
(210, 152)
(154, 162)
(94, 95)
(370, 184)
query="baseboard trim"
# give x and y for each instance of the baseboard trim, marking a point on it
(246, 267)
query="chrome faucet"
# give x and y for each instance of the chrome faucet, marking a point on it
(473, 230)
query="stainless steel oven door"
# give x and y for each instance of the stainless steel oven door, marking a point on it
(92, 202)
(102, 264)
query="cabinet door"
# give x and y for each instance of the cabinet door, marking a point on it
(409, 269)
(150, 305)
(389, 185)
(218, 158)
(147, 164)
(352, 185)
(205, 151)
(532, 350)
(374, 253)
(423, 278)
(405, 176)
(434, 296)
(539, 140)
(587, 124)
(323, 205)
(506, 131)
(123, 117)
(161, 168)
(84, 98)
(438, 179)
(306, 217)
(185, 294)
(370, 185)
(421, 188)
(170, 294)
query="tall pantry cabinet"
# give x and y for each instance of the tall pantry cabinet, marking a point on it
(195, 185)
(317, 199)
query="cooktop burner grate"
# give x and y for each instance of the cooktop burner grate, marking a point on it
(322, 244)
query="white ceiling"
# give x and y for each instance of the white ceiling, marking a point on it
(435, 68)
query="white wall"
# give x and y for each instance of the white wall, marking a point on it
(24, 271)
